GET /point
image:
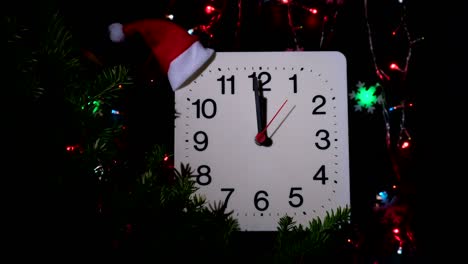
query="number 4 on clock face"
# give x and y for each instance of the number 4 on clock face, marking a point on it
(296, 103)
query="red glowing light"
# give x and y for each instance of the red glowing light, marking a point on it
(209, 9)
(72, 148)
(396, 230)
(405, 145)
(313, 10)
(394, 66)
(285, 1)
(166, 157)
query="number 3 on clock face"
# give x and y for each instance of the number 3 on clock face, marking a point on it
(300, 105)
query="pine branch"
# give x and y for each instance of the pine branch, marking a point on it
(294, 243)
(179, 193)
(59, 44)
(109, 82)
(181, 215)
(57, 64)
(20, 58)
(100, 94)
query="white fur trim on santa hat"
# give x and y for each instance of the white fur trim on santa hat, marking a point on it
(188, 63)
(116, 32)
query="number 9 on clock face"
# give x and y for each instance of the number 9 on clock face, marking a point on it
(298, 102)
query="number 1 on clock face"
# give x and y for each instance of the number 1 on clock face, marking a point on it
(303, 171)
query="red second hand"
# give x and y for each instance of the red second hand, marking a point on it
(261, 137)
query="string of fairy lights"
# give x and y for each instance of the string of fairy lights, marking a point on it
(214, 10)
(401, 231)
(404, 139)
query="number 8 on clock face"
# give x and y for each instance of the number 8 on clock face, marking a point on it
(296, 104)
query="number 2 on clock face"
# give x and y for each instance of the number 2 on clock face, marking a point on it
(296, 104)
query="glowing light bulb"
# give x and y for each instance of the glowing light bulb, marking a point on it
(395, 67)
(313, 11)
(383, 195)
(400, 250)
(405, 144)
(72, 148)
(209, 9)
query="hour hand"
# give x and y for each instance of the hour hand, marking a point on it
(261, 108)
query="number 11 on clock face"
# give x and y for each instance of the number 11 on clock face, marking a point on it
(300, 165)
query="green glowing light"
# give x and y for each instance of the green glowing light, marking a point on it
(366, 97)
(96, 106)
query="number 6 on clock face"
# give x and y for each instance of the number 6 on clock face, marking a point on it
(303, 170)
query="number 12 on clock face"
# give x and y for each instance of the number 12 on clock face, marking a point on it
(267, 133)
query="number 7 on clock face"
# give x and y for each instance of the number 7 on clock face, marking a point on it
(304, 170)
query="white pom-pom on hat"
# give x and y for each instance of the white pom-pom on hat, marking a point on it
(180, 55)
(116, 33)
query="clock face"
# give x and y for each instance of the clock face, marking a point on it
(267, 133)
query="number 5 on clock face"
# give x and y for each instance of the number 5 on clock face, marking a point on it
(303, 170)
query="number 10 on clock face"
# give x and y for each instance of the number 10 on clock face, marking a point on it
(267, 134)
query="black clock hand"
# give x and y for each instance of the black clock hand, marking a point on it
(259, 106)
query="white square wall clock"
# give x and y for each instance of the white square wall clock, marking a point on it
(267, 133)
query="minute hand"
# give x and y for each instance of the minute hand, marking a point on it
(259, 106)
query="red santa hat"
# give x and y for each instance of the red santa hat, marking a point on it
(179, 54)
